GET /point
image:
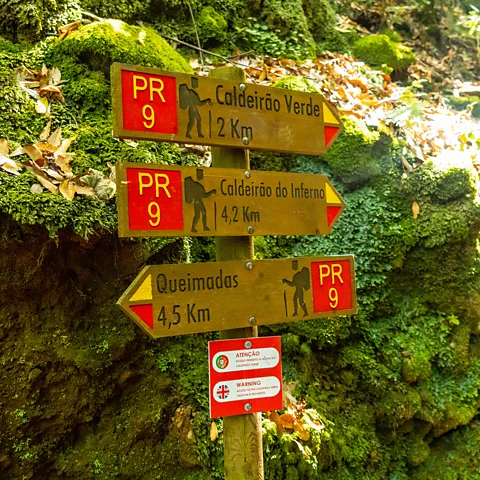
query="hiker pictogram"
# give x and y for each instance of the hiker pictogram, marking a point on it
(301, 282)
(190, 99)
(195, 192)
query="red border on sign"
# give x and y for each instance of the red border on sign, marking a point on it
(237, 407)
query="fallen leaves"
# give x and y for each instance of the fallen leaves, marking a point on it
(6, 163)
(415, 209)
(49, 161)
(44, 86)
(423, 120)
(297, 420)
(213, 432)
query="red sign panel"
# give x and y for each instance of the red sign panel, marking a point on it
(155, 199)
(332, 285)
(149, 102)
(245, 376)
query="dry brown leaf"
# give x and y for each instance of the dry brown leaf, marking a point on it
(275, 417)
(47, 184)
(62, 149)
(33, 152)
(9, 165)
(42, 106)
(36, 188)
(407, 166)
(85, 190)
(3, 147)
(415, 209)
(55, 175)
(264, 73)
(64, 166)
(67, 29)
(303, 433)
(213, 432)
(56, 137)
(46, 147)
(68, 189)
(46, 131)
(287, 420)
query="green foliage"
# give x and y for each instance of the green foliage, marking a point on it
(211, 25)
(99, 44)
(33, 19)
(439, 182)
(358, 155)
(379, 50)
(258, 36)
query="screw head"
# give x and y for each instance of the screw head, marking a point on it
(249, 265)
(248, 407)
(252, 320)
(246, 174)
(243, 87)
(250, 230)
(248, 344)
(245, 140)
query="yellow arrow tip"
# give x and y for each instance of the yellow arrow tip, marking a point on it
(144, 291)
(328, 116)
(332, 196)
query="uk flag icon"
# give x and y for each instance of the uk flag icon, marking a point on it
(222, 392)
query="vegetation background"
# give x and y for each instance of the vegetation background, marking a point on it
(392, 393)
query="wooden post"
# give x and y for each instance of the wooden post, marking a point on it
(242, 434)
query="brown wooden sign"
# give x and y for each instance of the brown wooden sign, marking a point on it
(156, 200)
(168, 300)
(151, 104)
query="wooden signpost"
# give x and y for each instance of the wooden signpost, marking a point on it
(168, 300)
(152, 104)
(232, 203)
(156, 200)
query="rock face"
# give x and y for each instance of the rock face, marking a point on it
(84, 394)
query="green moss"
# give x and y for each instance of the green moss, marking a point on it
(33, 19)
(378, 50)
(211, 25)
(296, 83)
(445, 179)
(471, 103)
(357, 154)
(99, 44)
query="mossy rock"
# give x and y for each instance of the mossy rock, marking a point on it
(378, 50)
(299, 84)
(445, 179)
(211, 25)
(358, 154)
(99, 44)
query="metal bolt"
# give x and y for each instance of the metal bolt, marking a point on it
(247, 174)
(252, 321)
(245, 140)
(249, 265)
(248, 344)
(248, 407)
(250, 230)
(243, 87)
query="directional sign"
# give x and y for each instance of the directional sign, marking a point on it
(152, 104)
(155, 200)
(245, 376)
(168, 300)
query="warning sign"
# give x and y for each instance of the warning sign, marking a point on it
(245, 376)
